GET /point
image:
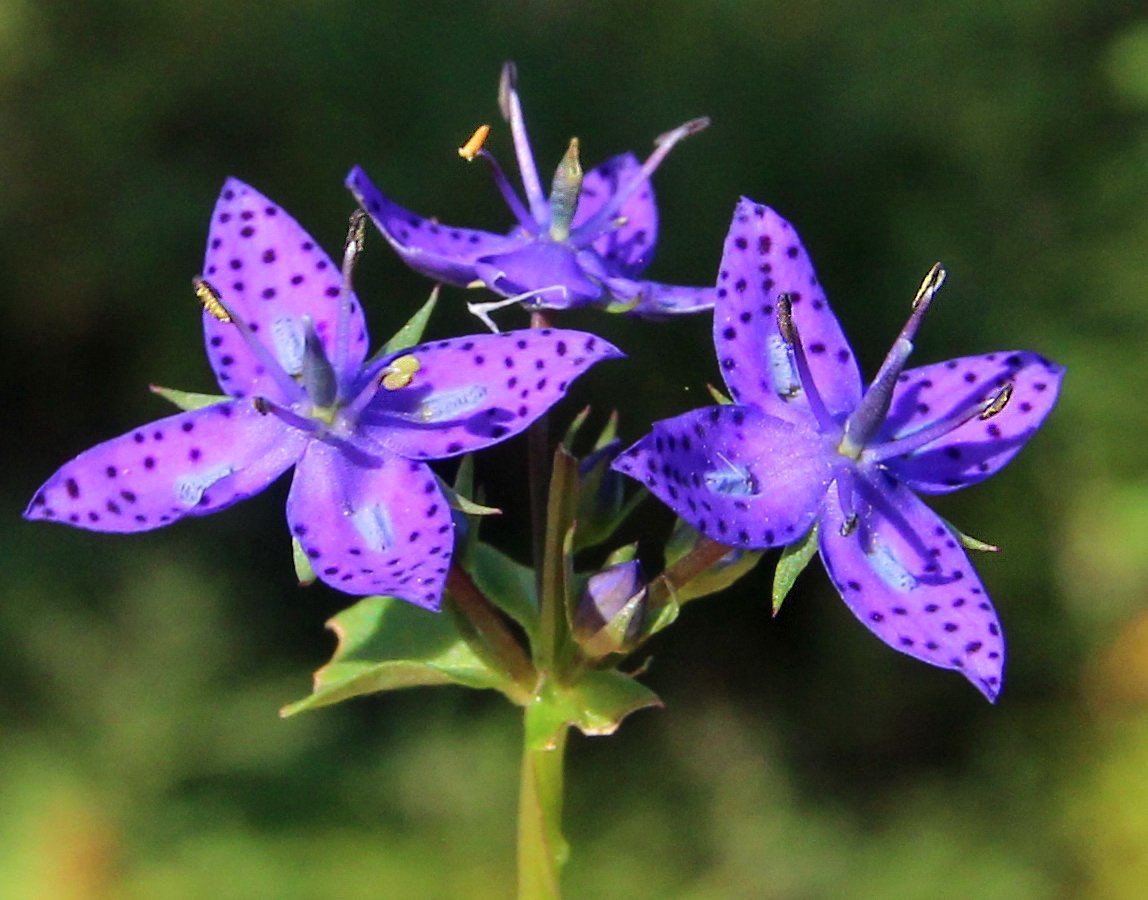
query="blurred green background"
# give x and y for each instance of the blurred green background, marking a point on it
(140, 751)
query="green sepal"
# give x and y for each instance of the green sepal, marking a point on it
(575, 427)
(968, 541)
(624, 554)
(412, 332)
(794, 558)
(509, 585)
(303, 569)
(602, 507)
(188, 400)
(718, 577)
(621, 307)
(464, 504)
(596, 705)
(617, 635)
(719, 398)
(386, 644)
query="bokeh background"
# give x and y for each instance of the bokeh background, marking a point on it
(140, 751)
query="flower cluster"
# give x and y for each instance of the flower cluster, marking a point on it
(804, 455)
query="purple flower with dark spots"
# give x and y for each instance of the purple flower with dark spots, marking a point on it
(805, 446)
(587, 243)
(288, 342)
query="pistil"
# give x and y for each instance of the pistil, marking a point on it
(598, 223)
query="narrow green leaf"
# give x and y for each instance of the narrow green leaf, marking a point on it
(719, 398)
(303, 570)
(187, 400)
(609, 431)
(596, 705)
(794, 558)
(575, 427)
(412, 332)
(553, 627)
(969, 542)
(509, 585)
(385, 644)
(463, 504)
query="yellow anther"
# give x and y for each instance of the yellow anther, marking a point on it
(470, 149)
(930, 285)
(209, 297)
(401, 372)
(999, 402)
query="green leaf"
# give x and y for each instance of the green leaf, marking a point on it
(386, 644)
(303, 570)
(718, 577)
(412, 332)
(794, 558)
(719, 398)
(969, 542)
(596, 705)
(575, 426)
(463, 504)
(187, 400)
(554, 628)
(509, 585)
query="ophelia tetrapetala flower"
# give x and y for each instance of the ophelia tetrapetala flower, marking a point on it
(587, 243)
(288, 342)
(804, 446)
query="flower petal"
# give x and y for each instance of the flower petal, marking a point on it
(475, 391)
(443, 252)
(629, 248)
(655, 300)
(764, 258)
(189, 464)
(552, 274)
(902, 573)
(979, 448)
(383, 528)
(736, 475)
(272, 273)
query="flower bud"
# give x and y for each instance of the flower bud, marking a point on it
(612, 610)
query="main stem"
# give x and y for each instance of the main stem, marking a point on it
(542, 851)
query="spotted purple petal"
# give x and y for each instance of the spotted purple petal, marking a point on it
(443, 252)
(189, 464)
(472, 392)
(764, 258)
(736, 475)
(979, 448)
(383, 528)
(270, 272)
(628, 248)
(902, 573)
(549, 271)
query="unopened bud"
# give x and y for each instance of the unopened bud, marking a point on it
(612, 610)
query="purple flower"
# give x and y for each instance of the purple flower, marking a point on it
(287, 340)
(585, 244)
(804, 445)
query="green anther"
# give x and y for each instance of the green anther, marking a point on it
(564, 193)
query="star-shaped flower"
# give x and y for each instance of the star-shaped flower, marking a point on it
(585, 244)
(804, 445)
(288, 342)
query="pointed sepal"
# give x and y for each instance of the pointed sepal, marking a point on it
(794, 558)
(187, 400)
(718, 577)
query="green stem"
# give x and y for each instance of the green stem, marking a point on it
(703, 555)
(542, 851)
(538, 472)
(494, 638)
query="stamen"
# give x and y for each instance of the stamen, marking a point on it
(870, 413)
(511, 110)
(564, 191)
(470, 149)
(318, 375)
(596, 224)
(213, 304)
(845, 490)
(999, 402)
(352, 249)
(910, 443)
(482, 310)
(789, 334)
(264, 407)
